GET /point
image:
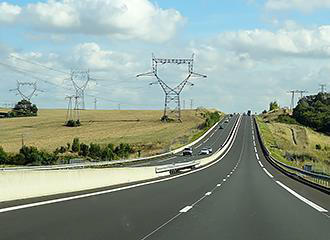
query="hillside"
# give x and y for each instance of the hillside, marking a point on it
(140, 127)
(295, 144)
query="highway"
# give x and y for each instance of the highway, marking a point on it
(239, 197)
(213, 139)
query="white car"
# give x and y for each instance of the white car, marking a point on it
(204, 151)
(210, 150)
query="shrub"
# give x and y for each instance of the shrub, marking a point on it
(73, 123)
(94, 150)
(84, 150)
(107, 154)
(273, 105)
(3, 156)
(318, 147)
(75, 145)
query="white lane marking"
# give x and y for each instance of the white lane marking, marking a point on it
(219, 184)
(206, 140)
(255, 149)
(161, 226)
(208, 194)
(257, 156)
(224, 179)
(212, 134)
(254, 143)
(121, 188)
(260, 164)
(271, 176)
(199, 145)
(228, 176)
(310, 203)
(253, 137)
(185, 209)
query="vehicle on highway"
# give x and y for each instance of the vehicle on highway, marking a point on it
(249, 112)
(226, 121)
(204, 151)
(220, 127)
(188, 151)
(210, 149)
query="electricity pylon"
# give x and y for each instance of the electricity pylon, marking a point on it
(323, 87)
(80, 76)
(172, 94)
(25, 96)
(72, 112)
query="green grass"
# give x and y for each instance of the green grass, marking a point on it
(283, 140)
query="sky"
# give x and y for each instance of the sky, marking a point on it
(252, 51)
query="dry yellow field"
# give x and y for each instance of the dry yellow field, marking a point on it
(138, 127)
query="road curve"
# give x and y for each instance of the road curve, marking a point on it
(236, 198)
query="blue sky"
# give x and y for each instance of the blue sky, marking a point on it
(252, 51)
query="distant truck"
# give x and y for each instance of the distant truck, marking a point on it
(249, 112)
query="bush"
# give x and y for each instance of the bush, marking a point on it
(76, 145)
(84, 150)
(273, 105)
(95, 150)
(3, 156)
(283, 118)
(107, 154)
(318, 147)
(73, 123)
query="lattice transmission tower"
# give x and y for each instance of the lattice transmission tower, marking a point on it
(73, 113)
(172, 94)
(78, 76)
(26, 96)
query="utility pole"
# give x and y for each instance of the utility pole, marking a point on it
(301, 93)
(292, 98)
(191, 104)
(95, 102)
(172, 94)
(184, 104)
(323, 87)
(118, 106)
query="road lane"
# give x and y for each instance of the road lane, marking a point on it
(232, 199)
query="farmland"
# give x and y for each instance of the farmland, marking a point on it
(141, 128)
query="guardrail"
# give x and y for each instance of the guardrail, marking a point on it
(318, 181)
(175, 167)
(108, 163)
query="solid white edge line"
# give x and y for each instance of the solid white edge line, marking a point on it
(271, 176)
(185, 209)
(310, 203)
(8, 209)
(260, 164)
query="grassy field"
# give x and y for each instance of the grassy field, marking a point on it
(291, 140)
(140, 128)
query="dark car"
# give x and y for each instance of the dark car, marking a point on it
(187, 151)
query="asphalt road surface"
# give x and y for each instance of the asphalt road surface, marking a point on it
(214, 139)
(235, 198)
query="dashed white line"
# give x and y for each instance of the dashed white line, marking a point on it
(224, 179)
(310, 203)
(260, 164)
(219, 184)
(208, 193)
(271, 176)
(257, 156)
(255, 149)
(254, 143)
(185, 209)
(228, 176)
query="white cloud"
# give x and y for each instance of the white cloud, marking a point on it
(8, 12)
(265, 44)
(123, 19)
(302, 5)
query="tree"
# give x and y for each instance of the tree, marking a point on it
(273, 105)
(76, 145)
(94, 150)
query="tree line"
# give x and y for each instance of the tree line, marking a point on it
(29, 155)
